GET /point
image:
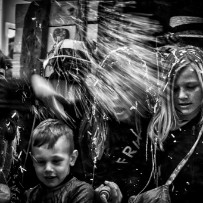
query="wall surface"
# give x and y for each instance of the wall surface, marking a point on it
(8, 17)
(9, 9)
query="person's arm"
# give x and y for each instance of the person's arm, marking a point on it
(14, 182)
(53, 100)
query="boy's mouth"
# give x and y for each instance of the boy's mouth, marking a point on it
(49, 177)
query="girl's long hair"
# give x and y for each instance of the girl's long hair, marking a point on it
(165, 118)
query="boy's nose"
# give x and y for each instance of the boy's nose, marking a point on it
(48, 167)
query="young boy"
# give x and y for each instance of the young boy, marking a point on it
(53, 154)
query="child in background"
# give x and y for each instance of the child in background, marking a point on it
(53, 155)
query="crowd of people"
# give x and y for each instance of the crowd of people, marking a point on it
(171, 131)
(79, 152)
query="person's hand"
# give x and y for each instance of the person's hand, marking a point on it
(115, 193)
(172, 38)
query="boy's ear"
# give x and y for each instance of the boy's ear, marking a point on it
(73, 157)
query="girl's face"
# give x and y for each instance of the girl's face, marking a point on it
(187, 94)
(53, 165)
(122, 110)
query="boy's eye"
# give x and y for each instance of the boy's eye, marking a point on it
(175, 89)
(56, 162)
(40, 162)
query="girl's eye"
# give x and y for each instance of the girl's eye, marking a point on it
(191, 86)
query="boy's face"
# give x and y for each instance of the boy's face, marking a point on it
(53, 165)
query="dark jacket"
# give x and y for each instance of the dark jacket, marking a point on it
(70, 191)
(188, 185)
(124, 159)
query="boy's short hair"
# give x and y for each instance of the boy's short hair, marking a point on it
(49, 131)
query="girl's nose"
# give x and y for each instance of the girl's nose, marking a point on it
(182, 93)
